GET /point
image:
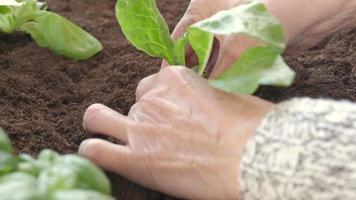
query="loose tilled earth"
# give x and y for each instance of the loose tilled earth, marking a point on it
(43, 96)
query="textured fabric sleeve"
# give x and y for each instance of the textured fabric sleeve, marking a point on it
(304, 149)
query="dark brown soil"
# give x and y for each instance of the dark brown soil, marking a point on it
(43, 96)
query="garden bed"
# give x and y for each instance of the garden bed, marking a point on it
(43, 96)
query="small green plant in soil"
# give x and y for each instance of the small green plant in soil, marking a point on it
(48, 29)
(49, 177)
(146, 29)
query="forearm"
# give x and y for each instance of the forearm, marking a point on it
(304, 149)
(299, 15)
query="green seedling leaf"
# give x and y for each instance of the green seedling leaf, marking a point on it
(26, 12)
(62, 36)
(7, 163)
(18, 186)
(179, 50)
(202, 43)
(89, 176)
(71, 172)
(28, 165)
(5, 143)
(48, 155)
(251, 19)
(50, 176)
(258, 65)
(144, 26)
(56, 177)
(79, 195)
(7, 21)
(10, 3)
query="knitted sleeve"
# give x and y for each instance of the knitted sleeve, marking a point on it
(304, 149)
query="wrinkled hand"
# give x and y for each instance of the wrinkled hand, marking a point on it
(183, 137)
(305, 22)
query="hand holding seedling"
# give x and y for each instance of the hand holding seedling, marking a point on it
(143, 25)
(181, 133)
(305, 24)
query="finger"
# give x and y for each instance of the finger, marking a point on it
(101, 119)
(145, 85)
(182, 27)
(164, 64)
(230, 50)
(178, 32)
(107, 155)
(191, 59)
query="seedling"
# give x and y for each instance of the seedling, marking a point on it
(50, 176)
(144, 26)
(48, 29)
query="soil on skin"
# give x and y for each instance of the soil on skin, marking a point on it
(43, 96)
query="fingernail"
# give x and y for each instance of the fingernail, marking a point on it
(83, 148)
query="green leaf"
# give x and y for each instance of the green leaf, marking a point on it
(7, 163)
(62, 36)
(179, 50)
(56, 177)
(251, 19)
(202, 43)
(28, 165)
(258, 65)
(18, 186)
(5, 142)
(26, 12)
(144, 26)
(72, 172)
(7, 20)
(48, 155)
(79, 195)
(10, 3)
(89, 176)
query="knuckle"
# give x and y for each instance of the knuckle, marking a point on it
(173, 72)
(148, 98)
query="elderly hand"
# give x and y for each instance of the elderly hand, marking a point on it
(183, 137)
(306, 22)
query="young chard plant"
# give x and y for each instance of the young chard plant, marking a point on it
(50, 176)
(48, 29)
(144, 26)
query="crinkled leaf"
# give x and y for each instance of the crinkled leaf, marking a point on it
(258, 65)
(7, 20)
(144, 26)
(79, 195)
(26, 12)
(62, 36)
(179, 50)
(252, 19)
(202, 43)
(5, 143)
(18, 186)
